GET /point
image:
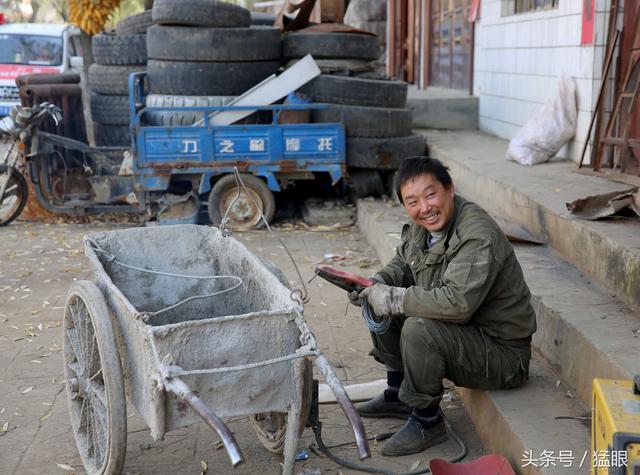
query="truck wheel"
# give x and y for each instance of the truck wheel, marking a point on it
(200, 13)
(112, 79)
(110, 49)
(356, 91)
(207, 79)
(112, 110)
(244, 214)
(362, 121)
(189, 43)
(135, 24)
(331, 45)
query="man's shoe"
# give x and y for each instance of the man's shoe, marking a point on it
(413, 438)
(380, 407)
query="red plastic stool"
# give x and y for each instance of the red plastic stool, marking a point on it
(493, 464)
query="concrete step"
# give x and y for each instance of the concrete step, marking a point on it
(535, 197)
(440, 108)
(524, 422)
(583, 333)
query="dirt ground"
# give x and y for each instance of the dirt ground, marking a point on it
(39, 261)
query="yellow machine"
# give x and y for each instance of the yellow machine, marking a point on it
(615, 427)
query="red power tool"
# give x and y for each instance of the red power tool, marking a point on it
(344, 279)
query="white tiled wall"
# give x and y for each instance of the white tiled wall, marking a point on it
(518, 58)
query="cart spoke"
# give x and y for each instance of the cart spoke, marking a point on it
(75, 367)
(93, 357)
(98, 394)
(98, 442)
(72, 335)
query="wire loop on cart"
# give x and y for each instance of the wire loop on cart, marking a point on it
(146, 316)
(299, 295)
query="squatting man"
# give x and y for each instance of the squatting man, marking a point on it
(458, 303)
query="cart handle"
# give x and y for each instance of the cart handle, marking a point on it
(345, 403)
(180, 389)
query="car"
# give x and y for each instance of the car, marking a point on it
(35, 48)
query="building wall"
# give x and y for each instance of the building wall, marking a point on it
(518, 58)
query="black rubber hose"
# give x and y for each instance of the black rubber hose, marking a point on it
(317, 430)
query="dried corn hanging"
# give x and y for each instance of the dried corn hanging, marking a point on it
(91, 15)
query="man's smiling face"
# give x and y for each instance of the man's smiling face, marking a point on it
(428, 202)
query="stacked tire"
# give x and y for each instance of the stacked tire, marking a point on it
(204, 53)
(116, 56)
(346, 53)
(377, 126)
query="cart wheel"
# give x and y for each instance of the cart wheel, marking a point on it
(94, 383)
(271, 427)
(244, 214)
(15, 195)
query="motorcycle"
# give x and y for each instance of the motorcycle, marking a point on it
(16, 132)
(66, 176)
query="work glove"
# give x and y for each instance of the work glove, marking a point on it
(384, 299)
(355, 298)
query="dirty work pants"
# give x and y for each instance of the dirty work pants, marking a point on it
(428, 350)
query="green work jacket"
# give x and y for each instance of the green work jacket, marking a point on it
(470, 276)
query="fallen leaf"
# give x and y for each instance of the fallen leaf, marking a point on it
(27, 390)
(217, 445)
(204, 466)
(47, 415)
(66, 467)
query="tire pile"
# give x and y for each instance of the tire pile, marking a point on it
(116, 56)
(377, 126)
(204, 53)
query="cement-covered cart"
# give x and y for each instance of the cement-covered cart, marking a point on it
(189, 325)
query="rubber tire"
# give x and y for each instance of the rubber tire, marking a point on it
(112, 110)
(179, 118)
(331, 45)
(264, 19)
(186, 117)
(383, 154)
(356, 91)
(200, 13)
(207, 79)
(135, 24)
(348, 67)
(112, 80)
(377, 27)
(189, 43)
(252, 182)
(112, 135)
(101, 321)
(376, 122)
(23, 189)
(363, 183)
(111, 49)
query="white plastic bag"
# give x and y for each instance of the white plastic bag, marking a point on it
(549, 129)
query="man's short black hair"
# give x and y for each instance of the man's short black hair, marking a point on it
(414, 166)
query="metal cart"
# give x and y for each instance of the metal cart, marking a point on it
(189, 325)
